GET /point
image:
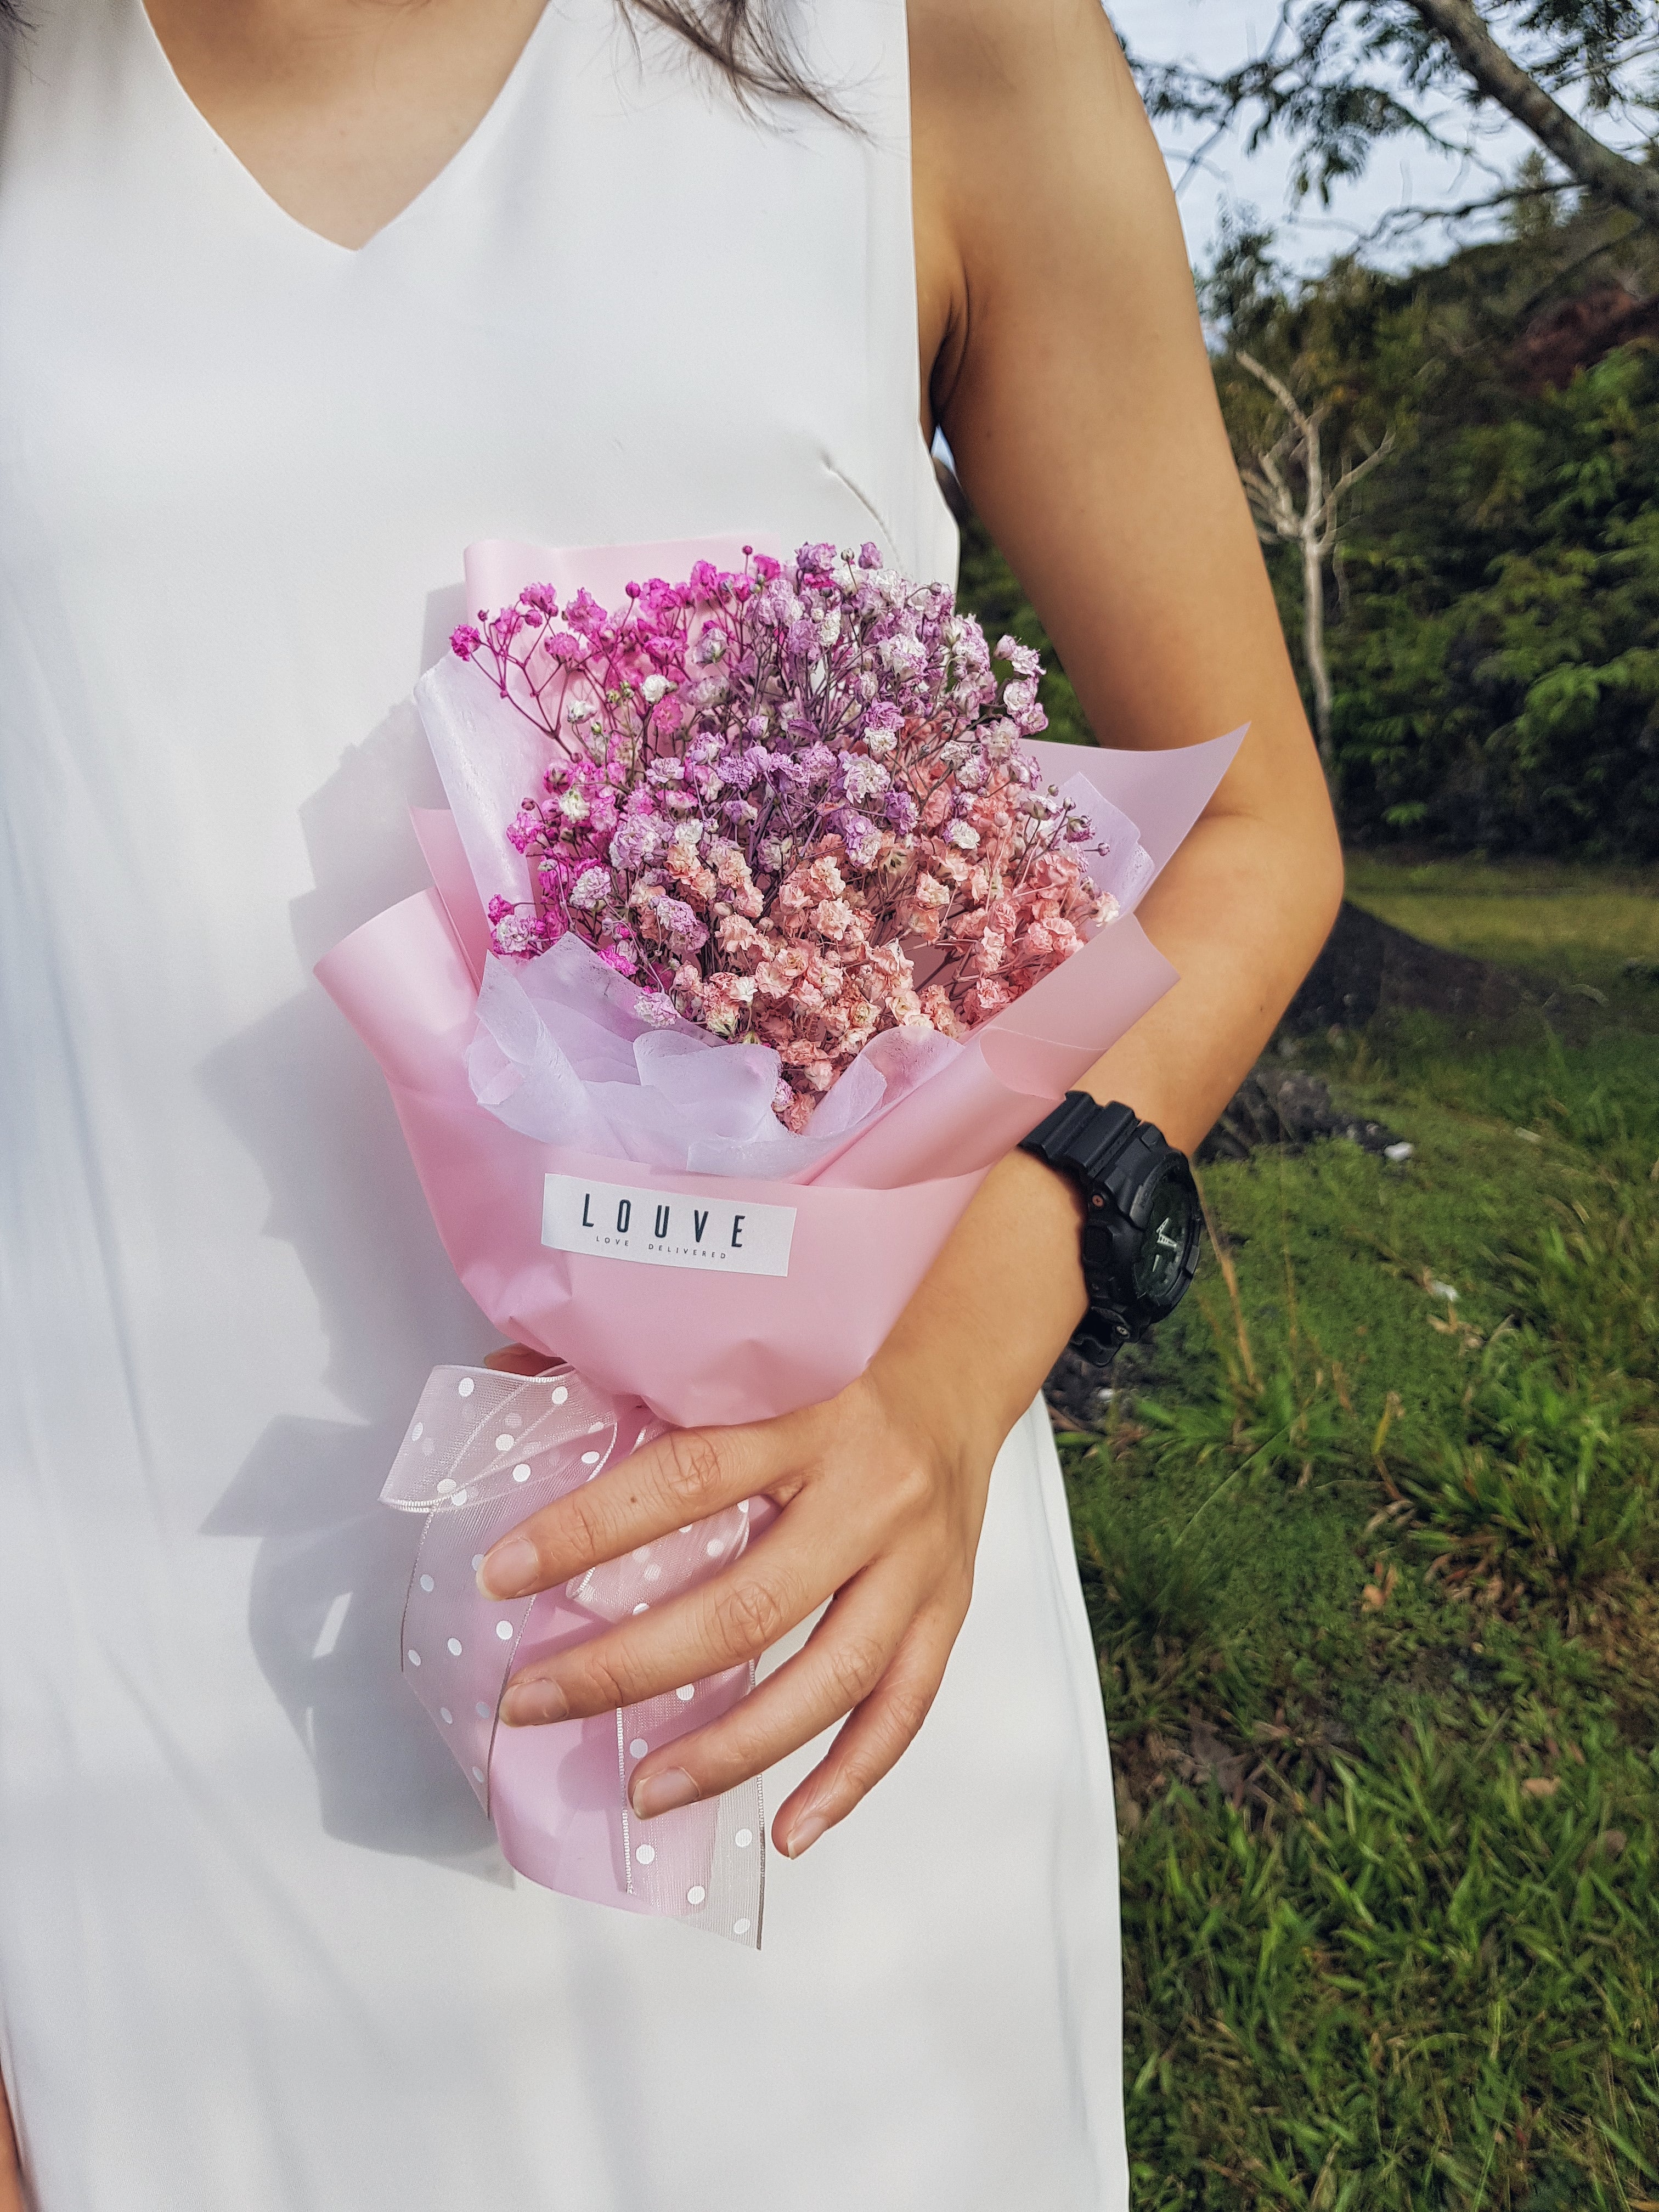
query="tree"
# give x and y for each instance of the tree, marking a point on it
(1296, 502)
(1306, 429)
(1339, 75)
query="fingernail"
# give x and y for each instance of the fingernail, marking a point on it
(805, 1833)
(532, 1704)
(512, 1569)
(664, 1793)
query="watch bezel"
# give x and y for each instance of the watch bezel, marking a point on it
(1144, 1310)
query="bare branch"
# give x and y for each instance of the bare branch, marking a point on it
(1281, 391)
(1360, 470)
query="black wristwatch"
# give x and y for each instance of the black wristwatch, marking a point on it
(1142, 1222)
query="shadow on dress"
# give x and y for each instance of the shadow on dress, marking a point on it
(305, 1098)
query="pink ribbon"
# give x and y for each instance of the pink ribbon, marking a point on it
(484, 1451)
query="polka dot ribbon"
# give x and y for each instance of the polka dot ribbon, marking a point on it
(484, 1452)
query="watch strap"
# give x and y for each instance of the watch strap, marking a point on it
(1105, 1151)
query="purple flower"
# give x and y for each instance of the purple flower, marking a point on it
(465, 642)
(640, 839)
(861, 779)
(679, 925)
(778, 606)
(861, 837)
(584, 613)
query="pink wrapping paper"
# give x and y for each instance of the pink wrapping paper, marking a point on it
(688, 1339)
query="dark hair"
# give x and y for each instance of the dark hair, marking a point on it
(748, 48)
(744, 41)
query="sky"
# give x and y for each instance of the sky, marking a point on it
(1218, 33)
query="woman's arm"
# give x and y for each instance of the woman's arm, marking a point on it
(11, 2187)
(1070, 376)
(1069, 369)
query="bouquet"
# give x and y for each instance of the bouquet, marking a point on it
(762, 926)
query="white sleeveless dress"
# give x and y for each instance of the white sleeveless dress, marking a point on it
(257, 1951)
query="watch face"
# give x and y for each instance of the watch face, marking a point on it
(1163, 1253)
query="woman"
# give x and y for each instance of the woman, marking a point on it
(300, 295)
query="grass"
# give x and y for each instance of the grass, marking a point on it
(1593, 930)
(1370, 1568)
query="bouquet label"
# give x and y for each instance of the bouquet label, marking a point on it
(665, 1228)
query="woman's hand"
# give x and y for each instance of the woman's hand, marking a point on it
(882, 1502)
(882, 1494)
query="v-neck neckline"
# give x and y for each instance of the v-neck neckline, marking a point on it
(472, 149)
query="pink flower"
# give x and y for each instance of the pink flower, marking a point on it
(778, 977)
(738, 939)
(935, 1002)
(833, 918)
(988, 997)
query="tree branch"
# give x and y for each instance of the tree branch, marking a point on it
(1281, 391)
(1498, 75)
(1357, 474)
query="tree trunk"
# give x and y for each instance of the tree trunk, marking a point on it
(1313, 640)
(1501, 79)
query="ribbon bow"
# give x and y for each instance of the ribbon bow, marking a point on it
(484, 1452)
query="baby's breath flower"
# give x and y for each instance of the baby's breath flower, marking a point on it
(767, 789)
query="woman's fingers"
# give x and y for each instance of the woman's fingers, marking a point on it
(848, 1654)
(683, 1477)
(722, 1623)
(875, 1739)
(519, 1359)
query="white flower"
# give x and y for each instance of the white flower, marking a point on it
(515, 936)
(653, 688)
(963, 836)
(904, 655)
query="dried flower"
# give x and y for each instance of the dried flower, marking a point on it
(771, 793)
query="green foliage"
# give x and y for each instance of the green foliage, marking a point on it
(1498, 682)
(1495, 602)
(1370, 1573)
(1549, 1487)
(989, 586)
(1493, 623)
(1586, 934)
